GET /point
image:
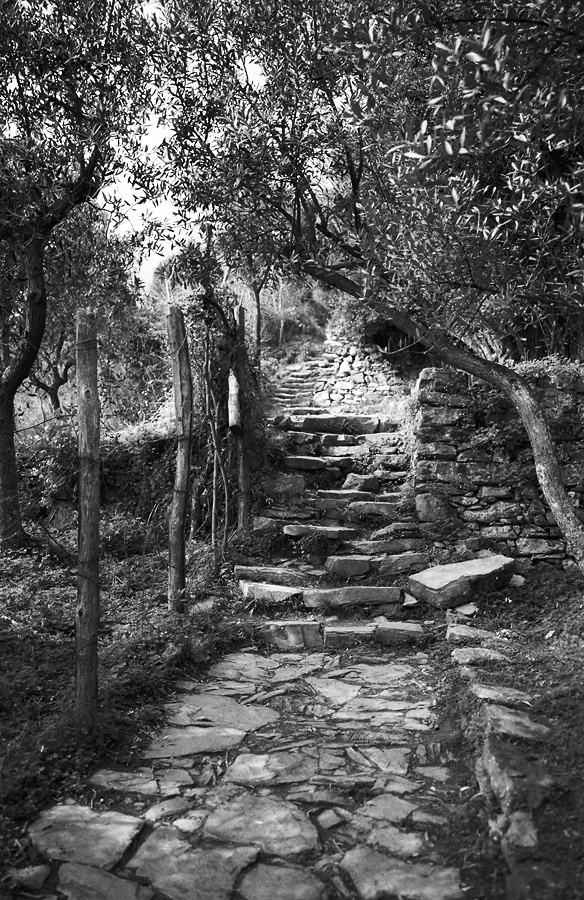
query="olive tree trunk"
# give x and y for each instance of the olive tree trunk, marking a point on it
(87, 617)
(183, 402)
(13, 371)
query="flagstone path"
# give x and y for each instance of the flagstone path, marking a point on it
(320, 773)
(282, 777)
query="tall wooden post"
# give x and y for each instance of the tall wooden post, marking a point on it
(87, 615)
(183, 402)
(240, 431)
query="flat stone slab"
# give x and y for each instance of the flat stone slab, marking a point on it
(189, 741)
(294, 634)
(271, 575)
(77, 834)
(474, 656)
(391, 547)
(354, 481)
(268, 593)
(513, 723)
(403, 844)
(402, 562)
(328, 531)
(136, 781)
(174, 806)
(335, 693)
(394, 760)
(341, 424)
(348, 566)
(465, 634)
(364, 508)
(271, 768)
(512, 776)
(315, 598)
(264, 882)
(79, 882)
(243, 667)
(336, 635)
(346, 495)
(214, 709)
(503, 695)
(376, 876)
(399, 633)
(182, 872)
(453, 584)
(389, 808)
(275, 826)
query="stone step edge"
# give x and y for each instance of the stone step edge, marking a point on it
(501, 778)
(294, 634)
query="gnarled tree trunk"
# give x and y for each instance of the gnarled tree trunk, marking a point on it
(13, 374)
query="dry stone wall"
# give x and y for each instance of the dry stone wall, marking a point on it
(474, 472)
(360, 379)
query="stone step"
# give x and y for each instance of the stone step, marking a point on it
(403, 528)
(456, 583)
(306, 411)
(317, 463)
(333, 533)
(316, 598)
(351, 566)
(269, 593)
(342, 424)
(274, 575)
(362, 509)
(377, 548)
(346, 495)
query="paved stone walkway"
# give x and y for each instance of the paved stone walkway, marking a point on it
(282, 777)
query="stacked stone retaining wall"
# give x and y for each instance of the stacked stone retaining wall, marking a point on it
(474, 471)
(361, 379)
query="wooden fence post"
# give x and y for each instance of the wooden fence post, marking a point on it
(87, 615)
(240, 431)
(183, 402)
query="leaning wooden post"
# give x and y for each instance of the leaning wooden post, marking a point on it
(87, 617)
(183, 402)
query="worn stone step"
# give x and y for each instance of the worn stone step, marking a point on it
(274, 575)
(269, 593)
(342, 424)
(356, 482)
(369, 508)
(350, 566)
(317, 463)
(397, 563)
(328, 531)
(316, 598)
(343, 494)
(452, 584)
(398, 545)
(403, 528)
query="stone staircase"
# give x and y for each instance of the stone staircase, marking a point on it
(299, 382)
(344, 519)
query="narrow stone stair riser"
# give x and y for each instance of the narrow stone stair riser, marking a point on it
(273, 575)
(330, 532)
(399, 545)
(316, 598)
(346, 495)
(269, 593)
